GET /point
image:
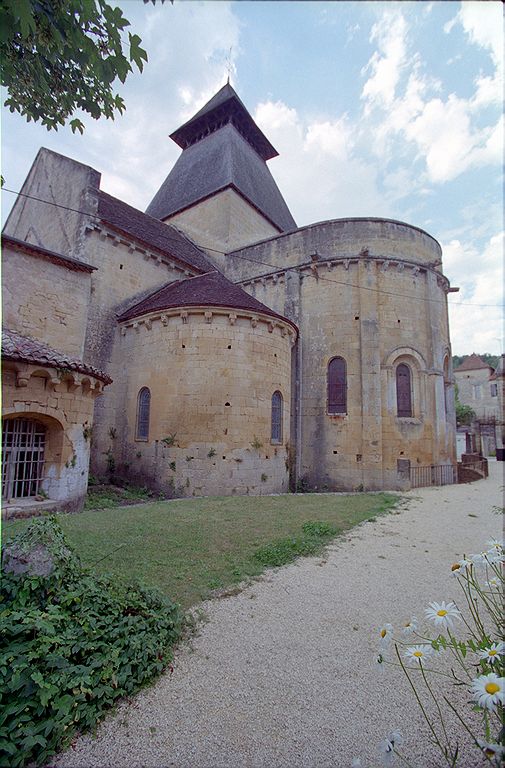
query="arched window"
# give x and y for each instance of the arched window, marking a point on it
(276, 426)
(143, 408)
(403, 390)
(337, 386)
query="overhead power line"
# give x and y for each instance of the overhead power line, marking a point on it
(272, 266)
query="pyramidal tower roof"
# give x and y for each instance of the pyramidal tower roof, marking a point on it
(224, 107)
(222, 148)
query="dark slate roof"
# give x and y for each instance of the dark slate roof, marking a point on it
(28, 350)
(224, 107)
(151, 232)
(472, 363)
(499, 371)
(223, 159)
(210, 290)
(35, 250)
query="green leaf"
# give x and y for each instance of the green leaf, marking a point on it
(77, 125)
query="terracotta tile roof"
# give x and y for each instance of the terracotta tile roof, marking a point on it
(36, 250)
(151, 232)
(210, 290)
(18, 347)
(472, 363)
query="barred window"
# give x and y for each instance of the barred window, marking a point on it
(337, 385)
(276, 427)
(23, 445)
(143, 410)
(403, 390)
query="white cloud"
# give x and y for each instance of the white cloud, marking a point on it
(318, 171)
(445, 132)
(483, 24)
(387, 63)
(475, 313)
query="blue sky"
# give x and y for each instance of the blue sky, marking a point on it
(376, 108)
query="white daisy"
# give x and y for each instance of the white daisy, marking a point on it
(442, 613)
(379, 664)
(481, 559)
(387, 747)
(492, 653)
(495, 544)
(386, 634)
(418, 654)
(460, 567)
(409, 626)
(494, 752)
(488, 690)
(494, 582)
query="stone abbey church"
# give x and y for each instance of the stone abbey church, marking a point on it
(209, 345)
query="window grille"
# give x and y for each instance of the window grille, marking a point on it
(403, 390)
(276, 431)
(143, 411)
(337, 386)
(23, 444)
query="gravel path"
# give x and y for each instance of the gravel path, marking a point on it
(283, 675)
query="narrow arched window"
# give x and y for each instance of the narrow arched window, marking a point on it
(276, 426)
(403, 390)
(337, 386)
(143, 408)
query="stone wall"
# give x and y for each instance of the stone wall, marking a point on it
(224, 221)
(45, 300)
(63, 402)
(125, 274)
(211, 374)
(59, 227)
(376, 309)
(474, 389)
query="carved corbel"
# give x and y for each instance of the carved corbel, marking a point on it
(254, 321)
(184, 317)
(208, 316)
(164, 320)
(232, 318)
(22, 378)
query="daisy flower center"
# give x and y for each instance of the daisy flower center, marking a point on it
(492, 688)
(442, 612)
(419, 654)
(492, 652)
(384, 632)
(455, 567)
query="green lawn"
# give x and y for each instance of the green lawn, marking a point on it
(188, 548)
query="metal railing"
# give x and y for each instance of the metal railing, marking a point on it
(444, 474)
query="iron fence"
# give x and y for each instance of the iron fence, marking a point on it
(443, 474)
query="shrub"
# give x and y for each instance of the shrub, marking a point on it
(73, 643)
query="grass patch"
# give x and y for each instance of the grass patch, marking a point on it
(315, 535)
(190, 547)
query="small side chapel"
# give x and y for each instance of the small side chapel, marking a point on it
(209, 346)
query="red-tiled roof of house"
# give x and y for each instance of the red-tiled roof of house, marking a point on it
(473, 363)
(151, 232)
(210, 290)
(28, 350)
(36, 250)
